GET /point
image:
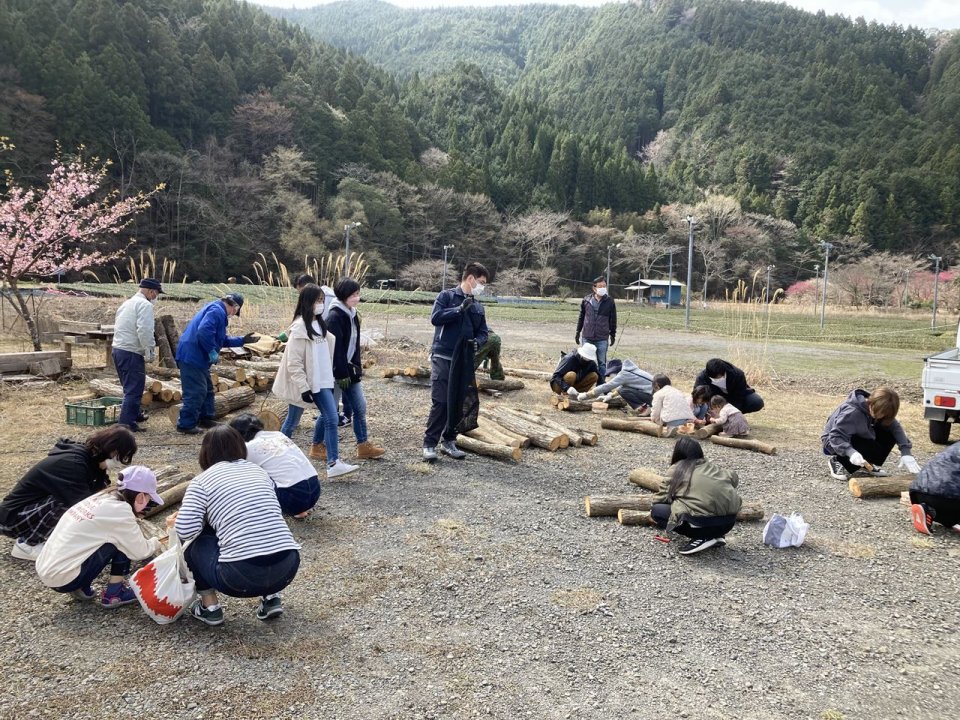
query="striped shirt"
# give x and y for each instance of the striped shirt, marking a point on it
(238, 501)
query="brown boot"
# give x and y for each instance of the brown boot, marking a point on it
(318, 451)
(368, 451)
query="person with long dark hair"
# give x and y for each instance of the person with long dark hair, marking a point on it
(305, 378)
(344, 323)
(71, 472)
(102, 531)
(698, 498)
(238, 541)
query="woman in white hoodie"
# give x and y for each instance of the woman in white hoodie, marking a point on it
(305, 376)
(99, 531)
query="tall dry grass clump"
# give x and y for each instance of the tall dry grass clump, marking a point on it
(747, 321)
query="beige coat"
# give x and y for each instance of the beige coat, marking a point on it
(296, 365)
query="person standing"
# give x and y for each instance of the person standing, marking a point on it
(134, 345)
(460, 328)
(597, 324)
(343, 322)
(198, 349)
(730, 381)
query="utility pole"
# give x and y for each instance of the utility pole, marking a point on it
(827, 247)
(609, 248)
(936, 287)
(443, 285)
(816, 289)
(769, 268)
(670, 285)
(691, 221)
(346, 230)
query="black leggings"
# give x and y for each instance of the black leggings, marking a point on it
(704, 527)
(874, 451)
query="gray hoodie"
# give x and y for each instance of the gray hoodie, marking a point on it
(852, 419)
(630, 376)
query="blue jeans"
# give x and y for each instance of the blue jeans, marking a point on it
(197, 396)
(602, 346)
(133, 375)
(354, 399)
(325, 430)
(290, 423)
(300, 497)
(94, 565)
(253, 577)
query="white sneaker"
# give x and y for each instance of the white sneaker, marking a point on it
(340, 468)
(22, 551)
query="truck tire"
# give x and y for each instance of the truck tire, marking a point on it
(939, 432)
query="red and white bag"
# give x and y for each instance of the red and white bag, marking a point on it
(165, 586)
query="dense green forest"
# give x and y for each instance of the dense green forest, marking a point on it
(534, 137)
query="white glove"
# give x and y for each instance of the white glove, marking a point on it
(909, 463)
(572, 392)
(583, 396)
(150, 356)
(857, 459)
(606, 398)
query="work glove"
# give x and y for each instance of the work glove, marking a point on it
(475, 344)
(583, 396)
(576, 338)
(606, 398)
(467, 302)
(572, 392)
(909, 463)
(213, 356)
(150, 356)
(306, 396)
(857, 459)
(250, 338)
(344, 383)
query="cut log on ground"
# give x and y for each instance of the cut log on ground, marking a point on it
(501, 452)
(565, 440)
(163, 373)
(501, 385)
(229, 371)
(491, 426)
(416, 371)
(105, 388)
(575, 439)
(750, 512)
(742, 444)
(272, 422)
(407, 380)
(264, 365)
(588, 437)
(90, 395)
(608, 505)
(223, 403)
(170, 497)
(708, 431)
(486, 435)
(874, 487)
(638, 426)
(528, 374)
(647, 479)
(21, 362)
(539, 435)
(391, 371)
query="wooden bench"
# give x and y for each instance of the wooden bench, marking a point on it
(82, 333)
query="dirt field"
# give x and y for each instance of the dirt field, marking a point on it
(479, 589)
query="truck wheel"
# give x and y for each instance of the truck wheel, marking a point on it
(939, 432)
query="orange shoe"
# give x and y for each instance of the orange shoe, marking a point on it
(922, 520)
(368, 451)
(318, 451)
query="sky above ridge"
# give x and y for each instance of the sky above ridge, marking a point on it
(941, 14)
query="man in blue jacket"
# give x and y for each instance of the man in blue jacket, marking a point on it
(460, 328)
(198, 349)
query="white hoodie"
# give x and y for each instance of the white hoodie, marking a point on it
(100, 519)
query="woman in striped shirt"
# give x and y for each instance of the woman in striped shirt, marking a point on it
(239, 542)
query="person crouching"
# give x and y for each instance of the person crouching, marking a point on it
(577, 371)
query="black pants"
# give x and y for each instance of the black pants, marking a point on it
(635, 398)
(946, 510)
(874, 451)
(439, 386)
(92, 567)
(696, 528)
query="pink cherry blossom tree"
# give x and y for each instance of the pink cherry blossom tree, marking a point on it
(65, 225)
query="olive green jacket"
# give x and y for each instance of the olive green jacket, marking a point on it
(711, 493)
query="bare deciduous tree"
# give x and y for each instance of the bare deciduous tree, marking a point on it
(424, 275)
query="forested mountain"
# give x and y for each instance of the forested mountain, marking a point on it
(842, 127)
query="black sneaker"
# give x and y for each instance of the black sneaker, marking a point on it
(142, 417)
(206, 616)
(270, 608)
(207, 423)
(837, 470)
(190, 431)
(343, 420)
(695, 546)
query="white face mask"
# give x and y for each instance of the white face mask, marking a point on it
(478, 289)
(318, 309)
(601, 292)
(113, 465)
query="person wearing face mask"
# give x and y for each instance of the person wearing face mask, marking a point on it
(597, 323)
(71, 472)
(305, 379)
(99, 531)
(726, 379)
(133, 346)
(343, 322)
(198, 349)
(460, 329)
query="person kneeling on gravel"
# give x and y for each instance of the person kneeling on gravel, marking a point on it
(860, 434)
(291, 472)
(698, 498)
(99, 531)
(634, 385)
(239, 542)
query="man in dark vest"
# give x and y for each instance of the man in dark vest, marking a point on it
(597, 324)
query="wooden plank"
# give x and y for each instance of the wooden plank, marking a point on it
(20, 362)
(73, 327)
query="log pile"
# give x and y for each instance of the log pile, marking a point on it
(419, 375)
(167, 336)
(172, 484)
(223, 403)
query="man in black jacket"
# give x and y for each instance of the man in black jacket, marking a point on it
(728, 380)
(460, 328)
(597, 324)
(577, 371)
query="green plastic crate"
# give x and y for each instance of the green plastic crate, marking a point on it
(101, 411)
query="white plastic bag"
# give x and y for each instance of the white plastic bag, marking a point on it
(782, 532)
(165, 586)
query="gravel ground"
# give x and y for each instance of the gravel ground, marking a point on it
(479, 589)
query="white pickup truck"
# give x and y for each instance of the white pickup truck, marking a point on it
(941, 392)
